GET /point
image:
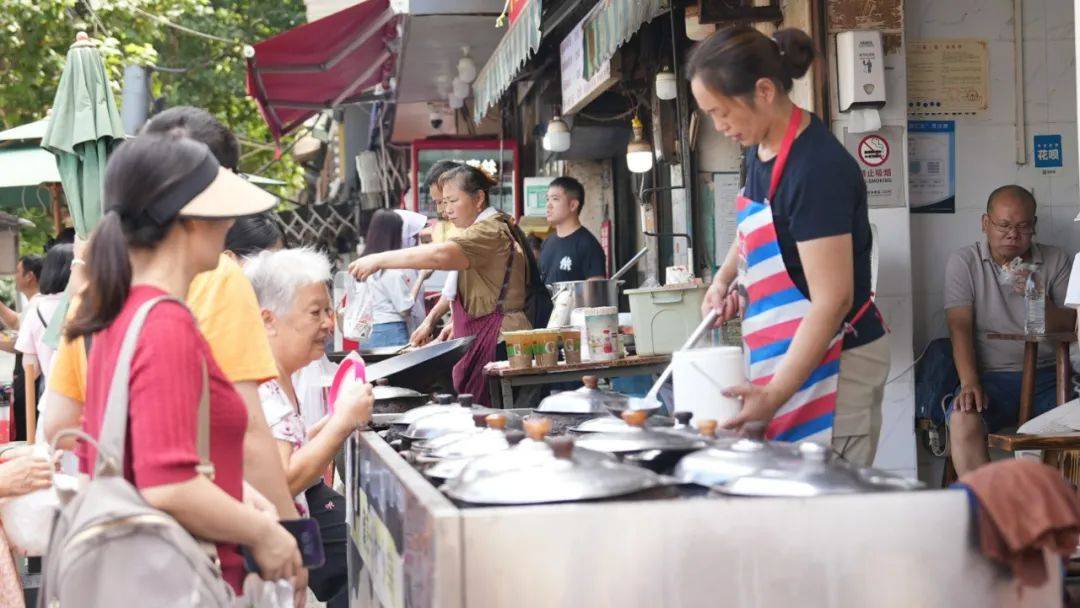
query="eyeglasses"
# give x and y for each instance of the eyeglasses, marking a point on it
(1024, 228)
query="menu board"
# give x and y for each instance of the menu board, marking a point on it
(947, 77)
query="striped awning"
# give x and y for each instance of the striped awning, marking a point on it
(520, 42)
(616, 21)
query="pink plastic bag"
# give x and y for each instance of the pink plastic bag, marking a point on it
(351, 370)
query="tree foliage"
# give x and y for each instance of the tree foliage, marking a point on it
(188, 69)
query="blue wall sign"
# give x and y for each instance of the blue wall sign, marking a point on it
(1048, 151)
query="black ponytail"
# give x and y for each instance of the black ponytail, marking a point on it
(732, 60)
(108, 279)
(139, 173)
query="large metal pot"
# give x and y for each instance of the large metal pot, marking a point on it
(591, 293)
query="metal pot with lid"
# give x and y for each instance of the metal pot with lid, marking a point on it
(813, 475)
(538, 471)
(489, 435)
(589, 399)
(440, 403)
(733, 457)
(648, 447)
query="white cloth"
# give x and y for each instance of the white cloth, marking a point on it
(31, 340)
(1064, 418)
(391, 294)
(1072, 294)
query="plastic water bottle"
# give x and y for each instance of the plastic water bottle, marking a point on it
(1035, 303)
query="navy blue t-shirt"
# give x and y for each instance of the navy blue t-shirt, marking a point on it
(821, 193)
(574, 258)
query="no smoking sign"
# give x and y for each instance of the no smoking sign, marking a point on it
(873, 150)
(881, 170)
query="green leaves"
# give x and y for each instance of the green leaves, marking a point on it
(35, 36)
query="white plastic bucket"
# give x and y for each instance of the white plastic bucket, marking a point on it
(700, 376)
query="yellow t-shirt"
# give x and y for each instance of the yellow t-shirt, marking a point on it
(227, 311)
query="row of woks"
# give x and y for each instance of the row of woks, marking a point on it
(487, 456)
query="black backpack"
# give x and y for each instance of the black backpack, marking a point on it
(538, 305)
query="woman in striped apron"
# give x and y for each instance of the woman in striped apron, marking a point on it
(799, 269)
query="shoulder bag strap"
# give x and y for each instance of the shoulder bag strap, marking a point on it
(41, 317)
(110, 456)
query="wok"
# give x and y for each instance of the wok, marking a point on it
(422, 368)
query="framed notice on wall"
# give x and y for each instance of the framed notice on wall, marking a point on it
(932, 166)
(947, 78)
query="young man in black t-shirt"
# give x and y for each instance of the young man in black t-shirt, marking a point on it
(572, 253)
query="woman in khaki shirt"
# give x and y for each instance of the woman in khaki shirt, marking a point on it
(491, 269)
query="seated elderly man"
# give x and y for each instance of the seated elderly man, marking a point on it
(984, 294)
(291, 285)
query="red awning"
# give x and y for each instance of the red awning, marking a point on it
(322, 64)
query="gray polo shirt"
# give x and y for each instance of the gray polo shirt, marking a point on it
(971, 279)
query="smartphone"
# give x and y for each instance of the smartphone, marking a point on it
(307, 535)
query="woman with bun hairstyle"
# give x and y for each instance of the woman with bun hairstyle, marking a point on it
(799, 270)
(492, 272)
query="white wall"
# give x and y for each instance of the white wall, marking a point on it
(985, 145)
(896, 446)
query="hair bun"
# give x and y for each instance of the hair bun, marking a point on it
(796, 51)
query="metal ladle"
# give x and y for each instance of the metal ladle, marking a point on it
(706, 323)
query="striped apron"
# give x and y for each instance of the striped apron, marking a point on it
(774, 309)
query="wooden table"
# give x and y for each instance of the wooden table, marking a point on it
(1060, 341)
(502, 379)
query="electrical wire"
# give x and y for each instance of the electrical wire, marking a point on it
(181, 28)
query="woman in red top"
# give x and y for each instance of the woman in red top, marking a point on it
(169, 205)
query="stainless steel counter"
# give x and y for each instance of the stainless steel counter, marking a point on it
(898, 549)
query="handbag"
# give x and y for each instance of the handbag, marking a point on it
(108, 546)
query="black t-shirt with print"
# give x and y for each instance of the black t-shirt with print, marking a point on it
(822, 193)
(573, 258)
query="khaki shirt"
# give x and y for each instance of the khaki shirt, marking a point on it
(487, 244)
(971, 279)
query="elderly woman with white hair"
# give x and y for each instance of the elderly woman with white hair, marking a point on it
(291, 285)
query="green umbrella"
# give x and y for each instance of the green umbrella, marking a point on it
(83, 127)
(82, 130)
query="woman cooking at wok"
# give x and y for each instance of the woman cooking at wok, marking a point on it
(799, 270)
(491, 269)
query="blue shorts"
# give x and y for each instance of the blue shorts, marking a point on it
(1002, 390)
(387, 334)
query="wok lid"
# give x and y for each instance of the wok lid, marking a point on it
(586, 400)
(815, 475)
(537, 472)
(637, 437)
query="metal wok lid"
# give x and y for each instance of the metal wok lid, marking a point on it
(731, 458)
(441, 403)
(814, 476)
(476, 442)
(390, 393)
(535, 472)
(586, 400)
(637, 437)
